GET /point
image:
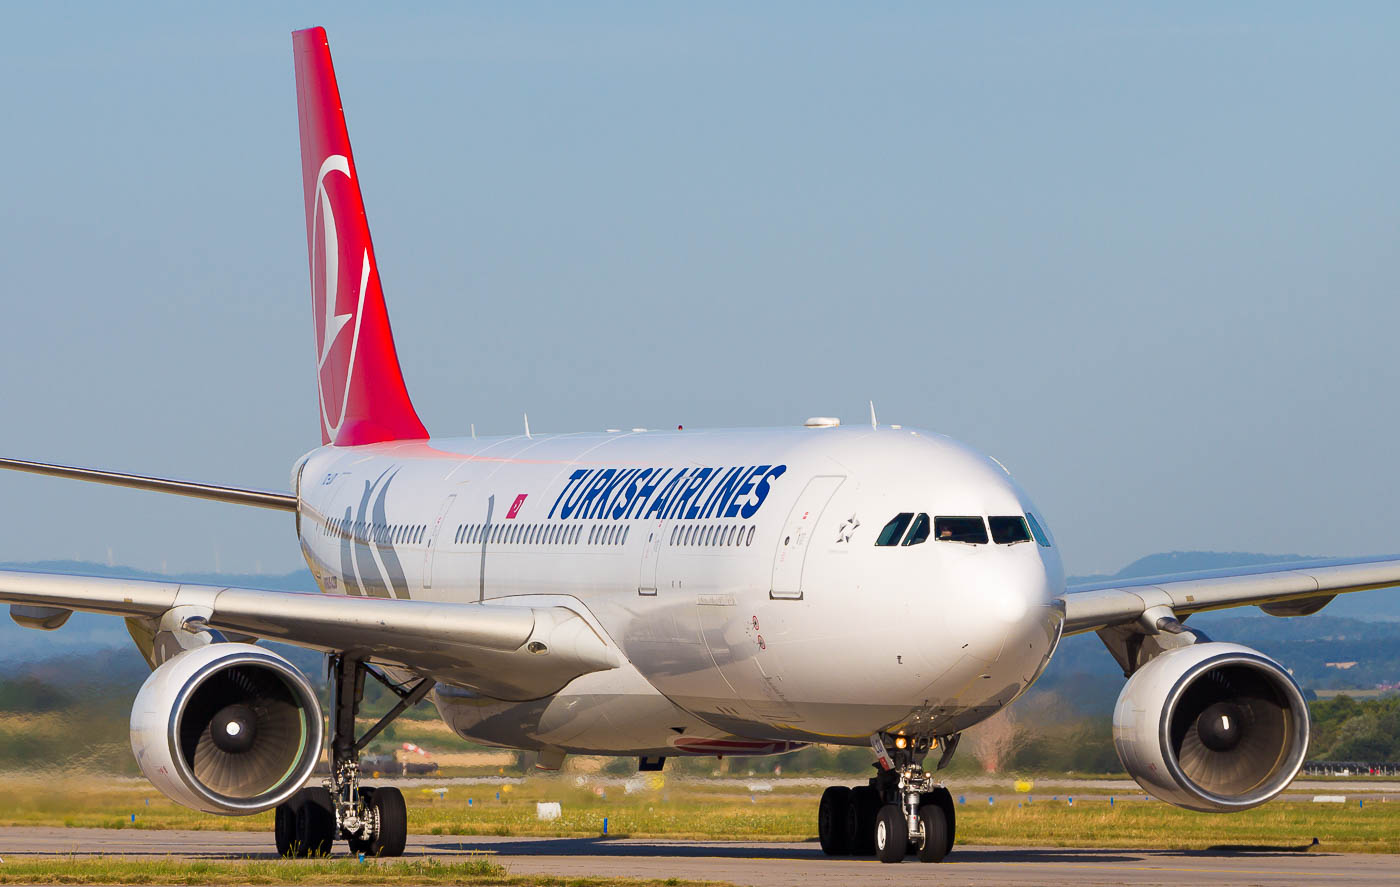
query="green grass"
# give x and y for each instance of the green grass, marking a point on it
(480, 871)
(662, 808)
(1339, 828)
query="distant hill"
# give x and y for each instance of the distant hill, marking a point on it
(1362, 628)
(1088, 678)
(297, 580)
(86, 632)
(89, 670)
(1383, 604)
(1162, 563)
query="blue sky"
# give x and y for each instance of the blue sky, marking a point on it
(1144, 255)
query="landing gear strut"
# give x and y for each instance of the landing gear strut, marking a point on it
(373, 820)
(902, 810)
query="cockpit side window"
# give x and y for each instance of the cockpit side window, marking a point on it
(918, 531)
(1009, 530)
(894, 530)
(1041, 537)
(971, 530)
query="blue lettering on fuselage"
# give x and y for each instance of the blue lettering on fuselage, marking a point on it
(666, 493)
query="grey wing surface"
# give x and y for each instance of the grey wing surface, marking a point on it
(1291, 589)
(506, 652)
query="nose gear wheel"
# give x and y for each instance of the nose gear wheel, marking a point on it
(902, 811)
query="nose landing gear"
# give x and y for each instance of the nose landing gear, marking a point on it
(902, 810)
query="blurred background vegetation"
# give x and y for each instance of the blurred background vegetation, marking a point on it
(69, 714)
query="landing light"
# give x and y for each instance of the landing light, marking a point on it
(900, 742)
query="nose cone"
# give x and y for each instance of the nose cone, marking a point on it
(999, 605)
(1000, 590)
(1034, 617)
(1006, 586)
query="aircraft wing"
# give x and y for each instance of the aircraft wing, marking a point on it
(1291, 589)
(502, 651)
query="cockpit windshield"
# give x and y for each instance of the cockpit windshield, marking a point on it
(908, 528)
(894, 530)
(919, 531)
(1009, 530)
(960, 529)
(1042, 538)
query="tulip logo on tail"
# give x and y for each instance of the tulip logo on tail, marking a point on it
(335, 353)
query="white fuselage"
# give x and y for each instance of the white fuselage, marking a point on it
(736, 573)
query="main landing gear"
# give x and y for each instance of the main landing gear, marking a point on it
(902, 810)
(373, 820)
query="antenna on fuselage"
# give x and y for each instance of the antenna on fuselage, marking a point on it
(473, 431)
(873, 423)
(527, 427)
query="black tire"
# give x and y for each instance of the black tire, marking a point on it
(393, 822)
(284, 829)
(891, 834)
(305, 825)
(935, 823)
(860, 820)
(944, 799)
(831, 821)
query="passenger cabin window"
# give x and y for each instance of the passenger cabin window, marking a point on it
(1009, 530)
(894, 530)
(960, 529)
(1042, 538)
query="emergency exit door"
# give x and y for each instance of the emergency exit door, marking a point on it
(651, 558)
(797, 534)
(432, 540)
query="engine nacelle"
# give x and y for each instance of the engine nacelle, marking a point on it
(226, 728)
(1212, 727)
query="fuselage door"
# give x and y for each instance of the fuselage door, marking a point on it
(651, 559)
(432, 540)
(796, 536)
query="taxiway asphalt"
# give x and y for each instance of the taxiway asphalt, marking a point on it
(768, 864)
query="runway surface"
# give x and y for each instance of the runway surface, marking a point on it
(766, 864)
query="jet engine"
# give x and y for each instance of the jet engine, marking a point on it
(226, 728)
(1213, 727)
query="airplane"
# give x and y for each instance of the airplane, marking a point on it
(653, 593)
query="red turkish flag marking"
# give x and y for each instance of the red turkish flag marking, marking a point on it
(515, 506)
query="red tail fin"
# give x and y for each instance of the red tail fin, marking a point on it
(362, 392)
